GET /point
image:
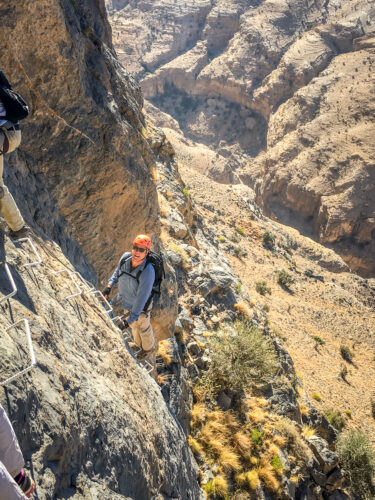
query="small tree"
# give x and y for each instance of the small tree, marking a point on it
(284, 278)
(268, 239)
(358, 462)
(262, 288)
(240, 357)
(346, 353)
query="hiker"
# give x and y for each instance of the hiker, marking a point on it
(135, 276)
(10, 139)
(15, 482)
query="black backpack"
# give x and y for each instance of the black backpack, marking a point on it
(15, 107)
(157, 262)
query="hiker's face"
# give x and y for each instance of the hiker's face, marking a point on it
(138, 254)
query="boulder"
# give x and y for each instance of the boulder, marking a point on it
(327, 459)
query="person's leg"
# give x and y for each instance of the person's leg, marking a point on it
(8, 207)
(142, 330)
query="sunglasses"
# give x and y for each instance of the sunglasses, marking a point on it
(139, 249)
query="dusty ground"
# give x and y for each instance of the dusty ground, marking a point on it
(339, 310)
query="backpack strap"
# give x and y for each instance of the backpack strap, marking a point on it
(5, 144)
(122, 262)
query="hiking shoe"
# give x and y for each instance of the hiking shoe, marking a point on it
(24, 232)
(143, 355)
(134, 346)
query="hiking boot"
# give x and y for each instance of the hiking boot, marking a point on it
(24, 232)
(143, 355)
(134, 346)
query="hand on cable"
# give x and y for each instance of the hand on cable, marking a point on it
(106, 291)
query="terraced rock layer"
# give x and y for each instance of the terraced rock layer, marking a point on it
(282, 90)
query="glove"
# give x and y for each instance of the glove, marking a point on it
(106, 291)
(123, 325)
(25, 482)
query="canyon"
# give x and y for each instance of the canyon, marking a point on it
(281, 91)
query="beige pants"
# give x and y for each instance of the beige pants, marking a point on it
(8, 207)
(142, 330)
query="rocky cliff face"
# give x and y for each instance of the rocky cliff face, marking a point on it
(82, 147)
(287, 83)
(93, 423)
(90, 420)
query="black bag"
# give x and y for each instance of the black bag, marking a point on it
(157, 262)
(15, 107)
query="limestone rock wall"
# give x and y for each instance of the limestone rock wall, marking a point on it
(83, 149)
(91, 422)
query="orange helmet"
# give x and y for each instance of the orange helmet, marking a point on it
(142, 240)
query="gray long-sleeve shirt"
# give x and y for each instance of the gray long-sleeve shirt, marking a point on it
(134, 295)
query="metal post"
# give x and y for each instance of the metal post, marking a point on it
(71, 276)
(14, 288)
(38, 258)
(31, 349)
(98, 292)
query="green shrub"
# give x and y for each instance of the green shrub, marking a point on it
(346, 353)
(256, 436)
(268, 239)
(186, 192)
(318, 340)
(239, 287)
(357, 458)
(284, 278)
(240, 357)
(335, 418)
(317, 396)
(372, 402)
(221, 239)
(262, 288)
(240, 231)
(234, 238)
(277, 463)
(238, 252)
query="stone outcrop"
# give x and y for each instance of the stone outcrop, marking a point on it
(91, 422)
(82, 150)
(286, 83)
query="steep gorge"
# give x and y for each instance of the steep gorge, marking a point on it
(281, 91)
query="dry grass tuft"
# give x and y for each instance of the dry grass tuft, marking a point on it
(308, 431)
(279, 441)
(244, 310)
(217, 488)
(196, 448)
(185, 258)
(242, 442)
(295, 445)
(229, 461)
(216, 427)
(162, 379)
(248, 479)
(198, 414)
(165, 351)
(268, 478)
(305, 410)
(257, 416)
